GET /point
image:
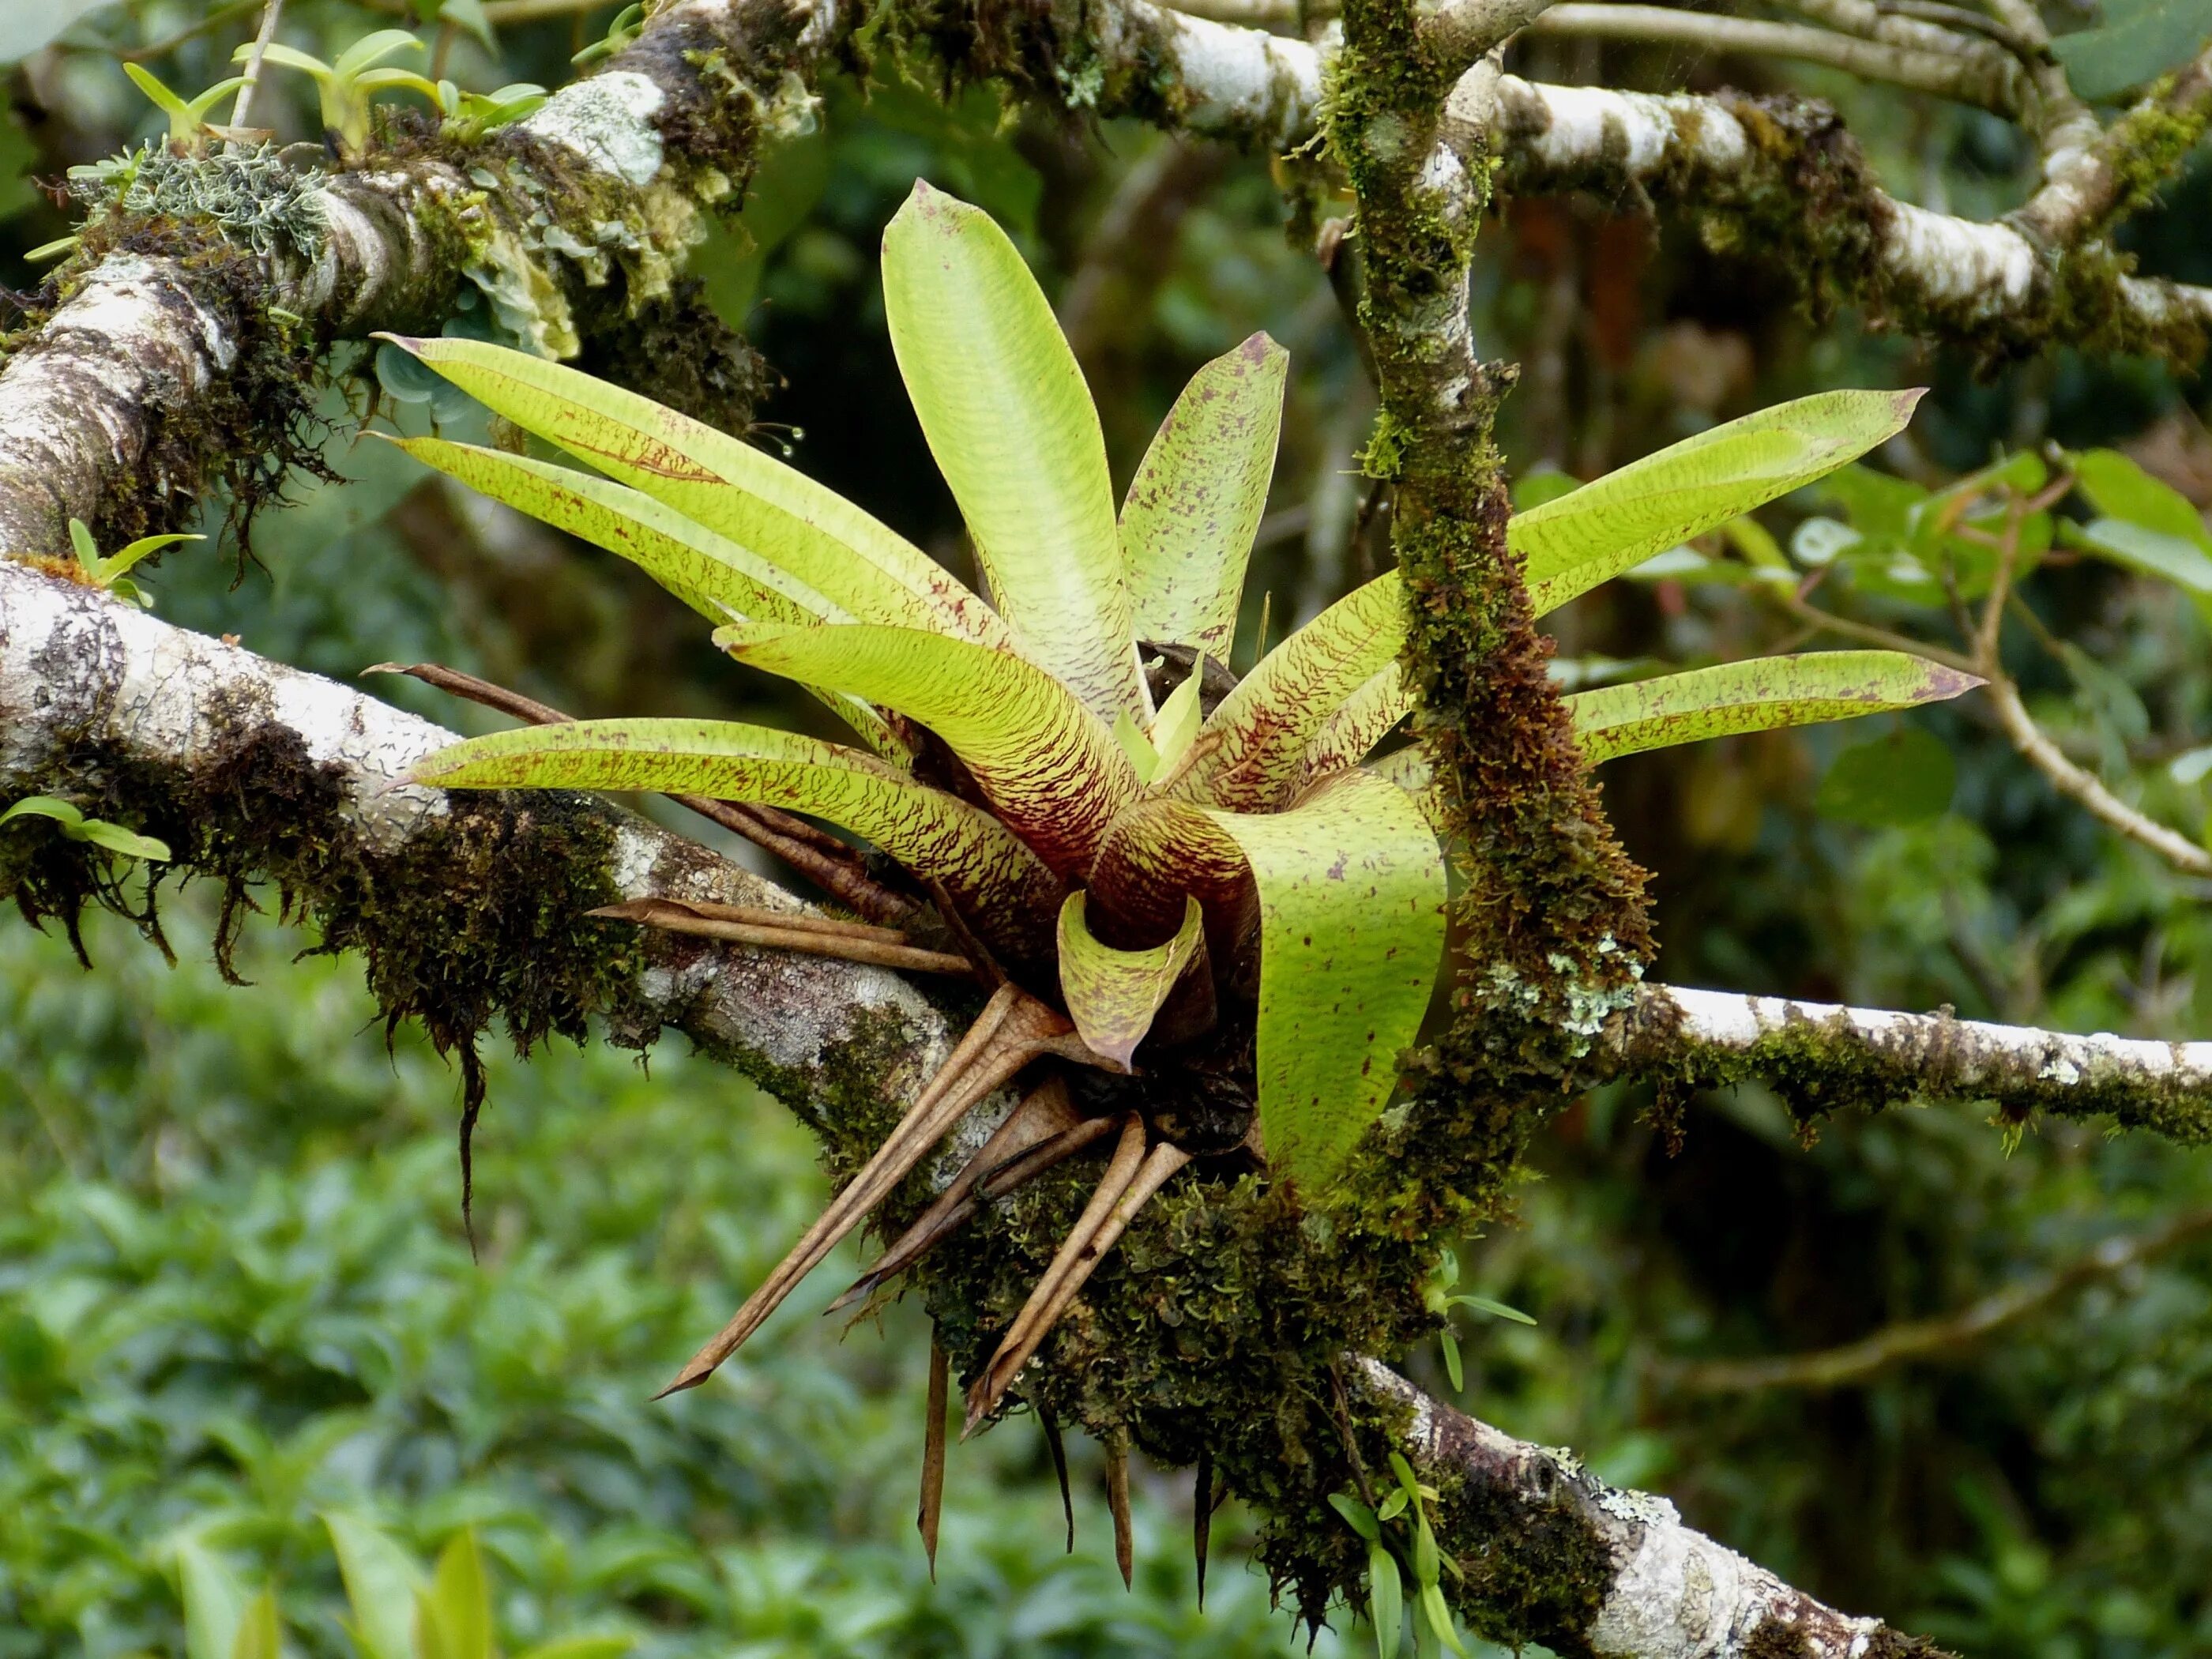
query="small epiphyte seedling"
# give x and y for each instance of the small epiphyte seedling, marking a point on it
(1398, 1534)
(1441, 1294)
(347, 85)
(629, 24)
(470, 115)
(1212, 915)
(97, 832)
(187, 116)
(110, 571)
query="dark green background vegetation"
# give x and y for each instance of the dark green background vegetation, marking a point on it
(233, 1288)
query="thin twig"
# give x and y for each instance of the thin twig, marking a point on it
(1201, 1517)
(1049, 1421)
(1813, 617)
(2085, 790)
(1925, 1338)
(251, 75)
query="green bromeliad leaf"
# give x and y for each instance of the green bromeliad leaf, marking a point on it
(1351, 925)
(712, 574)
(1589, 535)
(1361, 721)
(1758, 695)
(1010, 422)
(1251, 754)
(1052, 771)
(1113, 995)
(721, 482)
(994, 879)
(1193, 507)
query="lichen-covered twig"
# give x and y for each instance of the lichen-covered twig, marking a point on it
(1945, 1334)
(1588, 1568)
(1824, 1057)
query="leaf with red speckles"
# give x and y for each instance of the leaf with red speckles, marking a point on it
(1614, 523)
(1757, 695)
(721, 482)
(992, 876)
(1194, 505)
(1053, 772)
(1352, 927)
(1249, 756)
(1114, 995)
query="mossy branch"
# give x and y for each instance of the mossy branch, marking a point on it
(468, 909)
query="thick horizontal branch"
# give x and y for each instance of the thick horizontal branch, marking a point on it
(1784, 183)
(1822, 1058)
(1597, 1569)
(254, 768)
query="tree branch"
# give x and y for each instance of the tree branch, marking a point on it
(257, 770)
(252, 771)
(1619, 1573)
(1822, 1058)
(1928, 1339)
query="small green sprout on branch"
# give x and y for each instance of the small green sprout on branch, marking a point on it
(629, 24)
(1442, 1294)
(98, 832)
(1398, 1534)
(347, 85)
(187, 116)
(110, 571)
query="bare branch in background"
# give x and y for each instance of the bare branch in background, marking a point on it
(1946, 1335)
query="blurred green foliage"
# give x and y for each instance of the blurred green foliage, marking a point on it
(233, 1291)
(235, 1295)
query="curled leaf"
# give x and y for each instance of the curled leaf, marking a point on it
(1113, 995)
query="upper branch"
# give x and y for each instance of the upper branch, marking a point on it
(1823, 1058)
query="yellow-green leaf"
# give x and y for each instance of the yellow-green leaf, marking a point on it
(381, 1581)
(712, 574)
(1589, 535)
(1177, 722)
(1351, 925)
(1193, 509)
(721, 482)
(1249, 755)
(1757, 695)
(990, 873)
(1003, 406)
(458, 1601)
(715, 576)
(1112, 995)
(260, 1636)
(1049, 766)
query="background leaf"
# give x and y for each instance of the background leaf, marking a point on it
(1905, 776)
